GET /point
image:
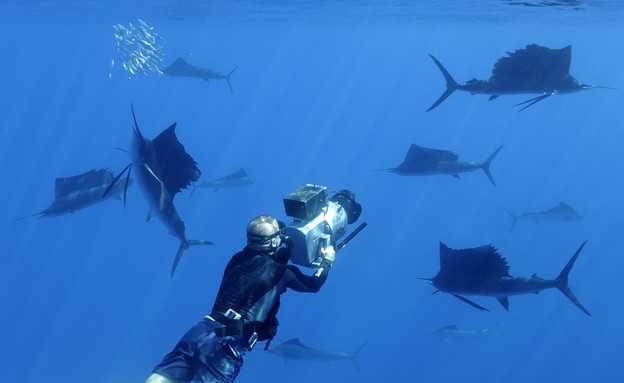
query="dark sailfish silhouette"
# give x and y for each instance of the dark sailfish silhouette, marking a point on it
(77, 192)
(483, 271)
(421, 161)
(294, 349)
(163, 169)
(181, 68)
(234, 180)
(534, 69)
(562, 212)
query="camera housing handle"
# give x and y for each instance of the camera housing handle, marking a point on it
(323, 242)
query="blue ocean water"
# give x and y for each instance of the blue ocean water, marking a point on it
(324, 93)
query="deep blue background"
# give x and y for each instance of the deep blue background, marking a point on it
(322, 95)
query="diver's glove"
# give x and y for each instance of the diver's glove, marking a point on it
(329, 254)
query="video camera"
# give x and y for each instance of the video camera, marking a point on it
(319, 221)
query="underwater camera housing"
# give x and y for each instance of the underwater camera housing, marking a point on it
(319, 221)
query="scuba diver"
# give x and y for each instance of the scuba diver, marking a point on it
(245, 309)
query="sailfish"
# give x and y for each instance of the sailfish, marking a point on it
(163, 169)
(421, 161)
(80, 191)
(483, 271)
(181, 68)
(534, 69)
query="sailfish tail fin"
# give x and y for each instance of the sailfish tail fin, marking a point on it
(486, 165)
(183, 246)
(562, 280)
(352, 356)
(227, 78)
(514, 217)
(451, 84)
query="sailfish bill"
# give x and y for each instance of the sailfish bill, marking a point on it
(163, 168)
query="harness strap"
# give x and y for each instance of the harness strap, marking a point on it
(234, 326)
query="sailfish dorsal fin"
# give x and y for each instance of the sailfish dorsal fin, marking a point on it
(176, 168)
(479, 262)
(533, 64)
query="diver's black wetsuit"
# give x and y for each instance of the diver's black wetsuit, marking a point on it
(251, 285)
(253, 281)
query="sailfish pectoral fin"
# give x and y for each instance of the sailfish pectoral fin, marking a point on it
(504, 301)
(108, 189)
(533, 101)
(471, 303)
(149, 170)
(126, 185)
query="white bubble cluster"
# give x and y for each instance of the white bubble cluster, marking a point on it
(139, 49)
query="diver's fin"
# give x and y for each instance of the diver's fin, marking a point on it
(451, 84)
(471, 303)
(562, 280)
(486, 165)
(183, 246)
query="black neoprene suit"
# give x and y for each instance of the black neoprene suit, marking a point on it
(253, 281)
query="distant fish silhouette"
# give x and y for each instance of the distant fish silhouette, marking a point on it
(561, 212)
(181, 68)
(534, 69)
(559, 4)
(77, 192)
(294, 349)
(453, 332)
(234, 180)
(421, 161)
(483, 271)
(163, 169)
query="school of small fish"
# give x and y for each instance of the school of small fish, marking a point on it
(139, 49)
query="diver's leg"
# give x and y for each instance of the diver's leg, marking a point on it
(157, 378)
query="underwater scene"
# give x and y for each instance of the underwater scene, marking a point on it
(482, 139)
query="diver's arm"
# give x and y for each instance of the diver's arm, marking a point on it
(294, 279)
